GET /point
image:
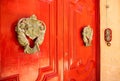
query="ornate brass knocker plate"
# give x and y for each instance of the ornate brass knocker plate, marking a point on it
(34, 29)
(87, 35)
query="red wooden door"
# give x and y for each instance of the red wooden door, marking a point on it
(62, 56)
(15, 65)
(81, 63)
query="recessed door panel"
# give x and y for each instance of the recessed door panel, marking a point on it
(15, 64)
(81, 60)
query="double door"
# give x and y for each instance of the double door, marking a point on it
(63, 56)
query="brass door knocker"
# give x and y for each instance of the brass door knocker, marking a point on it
(87, 35)
(34, 29)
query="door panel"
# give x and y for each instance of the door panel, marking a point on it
(80, 62)
(15, 64)
(62, 56)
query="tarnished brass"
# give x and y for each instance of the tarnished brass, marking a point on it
(87, 35)
(34, 29)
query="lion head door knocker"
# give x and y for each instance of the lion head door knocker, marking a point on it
(108, 36)
(87, 35)
(32, 28)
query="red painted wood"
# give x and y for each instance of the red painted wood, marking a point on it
(10, 78)
(80, 62)
(62, 56)
(41, 66)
